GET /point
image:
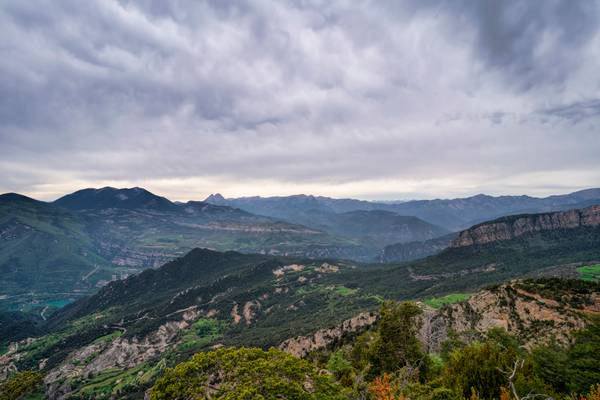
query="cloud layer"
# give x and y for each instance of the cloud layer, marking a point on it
(367, 99)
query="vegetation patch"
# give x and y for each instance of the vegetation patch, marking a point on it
(245, 373)
(21, 385)
(344, 291)
(109, 338)
(439, 302)
(202, 333)
(590, 273)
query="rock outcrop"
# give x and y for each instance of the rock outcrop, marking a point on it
(322, 338)
(121, 353)
(514, 307)
(533, 318)
(511, 227)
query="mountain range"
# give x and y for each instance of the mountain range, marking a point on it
(451, 214)
(122, 338)
(52, 253)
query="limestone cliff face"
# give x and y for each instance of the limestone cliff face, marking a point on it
(121, 353)
(322, 338)
(514, 226)
(533, 318)
(515, 307)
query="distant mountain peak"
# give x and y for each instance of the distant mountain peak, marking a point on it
(14, 197)
(215, 198)
(110, 197)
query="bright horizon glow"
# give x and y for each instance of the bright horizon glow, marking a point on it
(184, 191)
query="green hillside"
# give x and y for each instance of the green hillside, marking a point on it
(45, 253)
(52, 254)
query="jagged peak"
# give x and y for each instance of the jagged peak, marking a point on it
(215, 197)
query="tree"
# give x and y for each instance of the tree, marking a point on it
(550, 364)
(594, 393)
(583, 367)
(489, 368)
(341, 368)
(382, 389)
(245, 373)
(397, 344)
(574, 368)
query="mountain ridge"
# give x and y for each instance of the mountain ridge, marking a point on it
(513, 226)
(453, 214)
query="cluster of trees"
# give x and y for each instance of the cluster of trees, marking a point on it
(246, 374)
(384, 363)
(388, 363)
(22, 385)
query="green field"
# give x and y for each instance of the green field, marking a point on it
(590, 273)
(438, 302)
(59, 303)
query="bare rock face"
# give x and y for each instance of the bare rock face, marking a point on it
(511, 227)
(527, 315)
(8, 359)
(322, 338)
(119, 353)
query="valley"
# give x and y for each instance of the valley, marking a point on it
(132, 314)
(91, 237)
(121, 339)
(299, 200)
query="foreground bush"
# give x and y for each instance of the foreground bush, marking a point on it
(20, 384)
(245, 373)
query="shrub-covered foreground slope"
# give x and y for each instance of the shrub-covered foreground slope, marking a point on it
(121, 339)
(483, 359)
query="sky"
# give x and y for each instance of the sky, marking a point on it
(367, 99)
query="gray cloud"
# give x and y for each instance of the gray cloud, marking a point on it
(366, 98)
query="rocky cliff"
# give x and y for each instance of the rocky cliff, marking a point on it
(511, 227)
(535, 311)
(322, 338)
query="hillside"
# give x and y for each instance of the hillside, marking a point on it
(52, 253)
(399, 252)
(138, 326)
(354, 219)
(44, 249)
(374, 228)
(536, 311)
(109, 197)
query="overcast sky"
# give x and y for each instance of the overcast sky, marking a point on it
(367, 99)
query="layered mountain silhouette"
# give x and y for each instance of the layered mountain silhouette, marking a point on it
(452, 214)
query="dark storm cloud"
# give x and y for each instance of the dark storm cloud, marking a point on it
(419, 96)
(534, 42)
